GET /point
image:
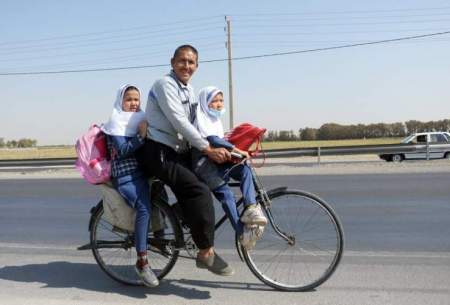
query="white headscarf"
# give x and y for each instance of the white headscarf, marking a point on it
(123, 123)
(206, 124)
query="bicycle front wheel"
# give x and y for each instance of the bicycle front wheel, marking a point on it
(302, 244)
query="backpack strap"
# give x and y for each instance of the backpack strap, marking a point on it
(255, 152)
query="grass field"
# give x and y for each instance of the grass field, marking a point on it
(37, 152)
(69, 151)
(330, 143)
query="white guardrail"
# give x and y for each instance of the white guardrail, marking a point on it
(275, 153)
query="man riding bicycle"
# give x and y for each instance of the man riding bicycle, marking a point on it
(165, 155)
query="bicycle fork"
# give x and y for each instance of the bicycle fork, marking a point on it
(264, 200)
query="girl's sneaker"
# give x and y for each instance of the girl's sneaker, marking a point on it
(147, 275)
(253, 215)
(250, 235)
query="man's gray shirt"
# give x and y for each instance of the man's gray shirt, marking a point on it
(170, 112)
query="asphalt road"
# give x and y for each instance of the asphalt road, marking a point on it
(397, 247)
(394, 212)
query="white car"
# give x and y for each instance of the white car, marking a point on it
(430, 137)
(422, 138)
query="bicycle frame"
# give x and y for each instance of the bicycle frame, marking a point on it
(262, 198)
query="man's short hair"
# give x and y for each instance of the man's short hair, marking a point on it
(184, 47)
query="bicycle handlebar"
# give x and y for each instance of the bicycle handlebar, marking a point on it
(237, 155)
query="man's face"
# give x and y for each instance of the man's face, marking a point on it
(184, 65)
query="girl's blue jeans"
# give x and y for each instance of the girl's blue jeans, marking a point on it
(135, 190)
(225, 195)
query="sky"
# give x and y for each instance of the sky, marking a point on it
(386, 82)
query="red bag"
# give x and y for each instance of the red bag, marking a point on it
(244, 136)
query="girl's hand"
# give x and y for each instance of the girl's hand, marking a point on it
(142, 127)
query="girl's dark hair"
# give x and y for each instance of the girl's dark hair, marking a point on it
(130, 88)
(184, 47)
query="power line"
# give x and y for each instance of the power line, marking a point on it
(296, 43)
(97, 51)
(263, 25)
(133, 59)
(278, 33)
(192, 20)
(343, 46)
(129, 57)
(99, 40)
(235, 58)
(346, 12)
(284, 18)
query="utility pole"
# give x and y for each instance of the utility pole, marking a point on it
(230, 71)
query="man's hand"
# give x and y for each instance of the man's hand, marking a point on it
(218, 155)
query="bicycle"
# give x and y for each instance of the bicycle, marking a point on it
(300, 249)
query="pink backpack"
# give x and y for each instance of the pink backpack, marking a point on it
(93, 161)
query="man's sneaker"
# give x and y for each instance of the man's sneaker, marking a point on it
(253, 215)
(250, 235)
(147, 275)
(215, 264)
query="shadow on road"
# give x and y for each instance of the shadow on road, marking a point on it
(89, 277)
(225, 285)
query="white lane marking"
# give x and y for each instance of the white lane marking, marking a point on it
(346, 253)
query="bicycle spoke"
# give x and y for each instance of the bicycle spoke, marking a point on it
(323, 250)
(309, 253)
(116, 254)
(272, 259)
(309, 219)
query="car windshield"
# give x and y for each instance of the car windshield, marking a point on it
(408, 139)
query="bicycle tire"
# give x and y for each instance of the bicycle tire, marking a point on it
(303, 265)
(115, 253)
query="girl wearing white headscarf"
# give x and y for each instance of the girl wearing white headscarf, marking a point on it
(250, 226)
(126, 131)
(124, 123)
(208, 120)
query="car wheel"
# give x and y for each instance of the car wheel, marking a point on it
(397, 158)
(384, 157)
(447, 156)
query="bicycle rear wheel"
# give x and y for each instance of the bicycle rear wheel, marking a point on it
(115, 253)
(301, 246)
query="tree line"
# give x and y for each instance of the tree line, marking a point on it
(22, 143)
(328, 131)
(333, 131)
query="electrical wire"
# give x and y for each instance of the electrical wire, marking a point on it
(237, 33)
(125, 58)
(192, 20)
(100, 41)
(347, 12)
(102, 51)
(274, 18)
(264, 25)
(235, 58)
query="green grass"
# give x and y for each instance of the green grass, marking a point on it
(37, 152)
(69, 151)
(330, 143)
